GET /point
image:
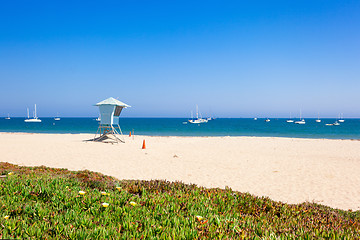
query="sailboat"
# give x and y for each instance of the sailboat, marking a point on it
(98, 119)
(301, 121)
(341, 119)
(34, 119)
(318, 120)
(197, 119)
(267, 120)
(8, 117)
(290, 120)
(57, 118)
(336, 123)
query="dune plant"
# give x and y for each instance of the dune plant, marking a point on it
(47, 203)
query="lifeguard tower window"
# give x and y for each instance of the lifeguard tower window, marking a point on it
(117, 111)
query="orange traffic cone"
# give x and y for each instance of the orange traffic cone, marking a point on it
(144, 147)
(130, 134)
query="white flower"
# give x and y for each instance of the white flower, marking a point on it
(105, 205)
(199, 218)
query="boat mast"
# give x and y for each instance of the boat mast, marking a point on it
(35, 112)
(197, 111)
(28, 113)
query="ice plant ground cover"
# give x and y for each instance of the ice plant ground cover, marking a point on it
(48, 203)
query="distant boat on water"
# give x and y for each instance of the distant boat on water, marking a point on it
(34, 119)
(318, 120)
(336, 123)
(267, 120)
(341, 119)
(255, 119)
(98, 119)
(290, 120)
(57, 118)
(198, 119)
(8, 117)
(301, 121)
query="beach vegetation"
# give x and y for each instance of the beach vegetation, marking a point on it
(49, 203)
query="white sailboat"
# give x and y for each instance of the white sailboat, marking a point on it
(98, 119)
(57, 118)
(341, 119)
(336, 123)
(198, 119)
(290, 120)
(8, 117)
(34, 119)
(267, 120)
(318, 120)
(301, 121)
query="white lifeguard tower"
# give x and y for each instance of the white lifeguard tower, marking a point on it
(109, 128)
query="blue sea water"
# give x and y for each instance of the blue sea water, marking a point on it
(350, 129)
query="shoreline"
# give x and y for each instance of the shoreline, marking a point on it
(291, 170)
(220, 136)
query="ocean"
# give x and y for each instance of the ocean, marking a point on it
(350, 129)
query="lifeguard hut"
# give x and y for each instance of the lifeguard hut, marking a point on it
(109, 128)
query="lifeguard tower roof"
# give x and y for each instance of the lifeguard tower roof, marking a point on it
(112, 101)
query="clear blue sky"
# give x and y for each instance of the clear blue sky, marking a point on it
(232, 58)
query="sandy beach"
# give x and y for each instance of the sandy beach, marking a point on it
(284, 169)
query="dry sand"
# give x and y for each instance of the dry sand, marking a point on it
(284, 169)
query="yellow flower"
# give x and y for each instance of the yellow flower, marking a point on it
(133, 204)
(103, 193)
(199, 218)
(10, 173)
(7, 217)
(105, 205)
(118, 188)
(82, 192)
